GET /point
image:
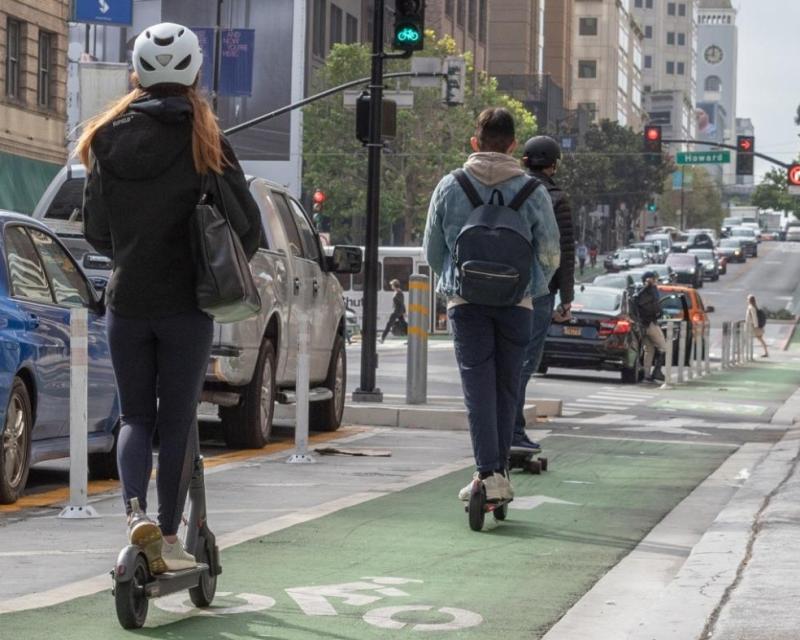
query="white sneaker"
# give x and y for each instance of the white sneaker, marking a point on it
(175, 556)
(465, 493)
(146, 534)
(498, 488)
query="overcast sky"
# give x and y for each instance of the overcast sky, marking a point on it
(768, 82)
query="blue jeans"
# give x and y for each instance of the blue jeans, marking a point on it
(489, 345)
(542, 317)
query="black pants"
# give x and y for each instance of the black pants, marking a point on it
(392, 320)
(160, 366)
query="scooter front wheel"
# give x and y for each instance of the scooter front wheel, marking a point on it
(203, 594)
(477, 506)
(130, 597)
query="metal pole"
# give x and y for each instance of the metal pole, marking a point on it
(301, 454)
(682, 330)
(668, 356)
(417, 356)
(217, 52)
(369, 361)
(683, 198)
(78, 418)
(707, 347)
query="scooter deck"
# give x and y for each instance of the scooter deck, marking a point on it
(171, 581)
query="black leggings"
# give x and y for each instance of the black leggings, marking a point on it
(394, 318)
(160, 365)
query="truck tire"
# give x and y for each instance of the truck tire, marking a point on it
(248, 425)
(326, 415)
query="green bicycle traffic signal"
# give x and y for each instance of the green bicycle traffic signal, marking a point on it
(409, 25)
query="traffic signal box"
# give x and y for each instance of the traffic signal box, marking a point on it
(745, 146)
(652, 139)
(409, 25)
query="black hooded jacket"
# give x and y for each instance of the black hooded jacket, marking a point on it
(140, 194)
(564, 278)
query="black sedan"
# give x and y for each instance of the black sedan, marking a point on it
(732, 249)
(602, 335)
(708, 259)
(687, 267)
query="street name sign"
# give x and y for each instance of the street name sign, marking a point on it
(703, 157)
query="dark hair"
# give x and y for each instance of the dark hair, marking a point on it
(495, 129)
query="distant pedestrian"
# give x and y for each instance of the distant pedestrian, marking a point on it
(146, 159)
(756, 320)
(593, 255)
(581, 252)
(398, 310)
(648, 310)
(541, 158)
(489, 275)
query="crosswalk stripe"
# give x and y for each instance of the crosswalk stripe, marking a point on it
(612, 400)
(633, 394)
(593, 407)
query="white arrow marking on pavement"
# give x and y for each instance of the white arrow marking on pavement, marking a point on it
(384, 618)
(314, 600)
(744, 474)
(665, 427)
(531, 502)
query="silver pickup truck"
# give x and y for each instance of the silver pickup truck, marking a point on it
(254, 363)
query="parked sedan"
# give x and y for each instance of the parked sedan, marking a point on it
(602, 335)
(625, 259)
(687, 268)
(40, 283)
(732, 250)
(708, 259)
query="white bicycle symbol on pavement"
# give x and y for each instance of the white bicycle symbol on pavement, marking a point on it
(316, 601)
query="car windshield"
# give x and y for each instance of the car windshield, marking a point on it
(743, 233)
(703, 254)
(730, 242)
(594, 300)
(672, 306)
(681, 259)
(660, 269)
(611, 281)
(630, 253)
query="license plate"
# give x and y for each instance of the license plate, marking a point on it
(572, 331)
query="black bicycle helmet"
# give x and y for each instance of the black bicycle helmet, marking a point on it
(541, 151)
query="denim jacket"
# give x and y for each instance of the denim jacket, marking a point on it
(450, 208)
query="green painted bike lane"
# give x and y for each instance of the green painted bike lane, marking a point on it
(407, 565)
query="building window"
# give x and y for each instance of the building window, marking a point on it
(590, 108)
(318, 41)
(682, 10)
(351, 29)
(335, 26)
(648, 88)
(638, 4)
(681, 39)
(648, 4)
(714, 84)
(670, 8)
(587, 27)
(671, 68)
(473, 17)
(681, 68)
(648, 31)
(44, 83)
(483, 20)
(648, 62)
(587, 68)
(13, 56)
(448, 8)
(460, 13)
(670, 37)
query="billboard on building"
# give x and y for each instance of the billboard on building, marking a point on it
(116, 12)
(710, 121)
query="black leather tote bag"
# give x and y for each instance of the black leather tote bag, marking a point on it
(225, 287)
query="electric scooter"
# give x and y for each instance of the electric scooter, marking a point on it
(134, 584)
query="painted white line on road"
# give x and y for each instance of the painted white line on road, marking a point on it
(688, 443)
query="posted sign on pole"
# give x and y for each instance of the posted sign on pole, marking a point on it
(116, 12)
(703, 157)
(793, 176)
(236, 60)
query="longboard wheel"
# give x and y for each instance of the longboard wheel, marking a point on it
(534, 467)
(543, 463)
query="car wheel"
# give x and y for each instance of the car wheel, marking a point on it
(248, 425)
(103, 465)
(15, 454)
(326, 415)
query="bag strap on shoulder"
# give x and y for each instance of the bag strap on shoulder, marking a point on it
(527, 189)
(469, 189)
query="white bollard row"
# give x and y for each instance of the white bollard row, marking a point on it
(301, 455)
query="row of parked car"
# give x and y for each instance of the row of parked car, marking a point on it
(47, 268)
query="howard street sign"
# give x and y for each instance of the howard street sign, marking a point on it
(703, 157)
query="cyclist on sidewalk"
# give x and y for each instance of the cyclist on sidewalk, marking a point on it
(490, 338)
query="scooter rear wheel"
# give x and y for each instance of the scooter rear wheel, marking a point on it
(203, 594)
(130, 598)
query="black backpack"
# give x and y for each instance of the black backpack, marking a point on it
(761, 315)
(493, 252)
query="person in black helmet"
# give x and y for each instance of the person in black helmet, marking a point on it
(541, 156)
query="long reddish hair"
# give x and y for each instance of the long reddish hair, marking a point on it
(206, 135)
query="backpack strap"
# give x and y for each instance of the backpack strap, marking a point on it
(466, 184)
(527, 189)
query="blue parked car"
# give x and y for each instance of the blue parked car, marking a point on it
(39, 283)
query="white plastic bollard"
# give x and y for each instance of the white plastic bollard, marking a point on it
(301, 455)
(683, 329)
(691, 334)
(78, 507)
(417, 355)
(726, 345)
(668, 356)
(707, 347)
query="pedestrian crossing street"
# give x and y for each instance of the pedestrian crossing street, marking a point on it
(608, 399)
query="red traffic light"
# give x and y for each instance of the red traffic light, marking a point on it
(319, 197)
(793, 175)
(652, 133)
(746, 143)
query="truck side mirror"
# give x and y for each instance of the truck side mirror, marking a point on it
(345, 259)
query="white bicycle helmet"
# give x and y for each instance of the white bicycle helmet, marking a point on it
(167, 53)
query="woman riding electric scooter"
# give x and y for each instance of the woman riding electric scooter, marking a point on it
(145, 156)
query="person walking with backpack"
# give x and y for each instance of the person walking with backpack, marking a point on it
(541, 157)
(648, 310)
(145, 158)
(398, 309)
(756, 319)
(492, 236)
(581, 251)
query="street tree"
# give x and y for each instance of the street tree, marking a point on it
(773, 193)
(432, 139)
(702, 201)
